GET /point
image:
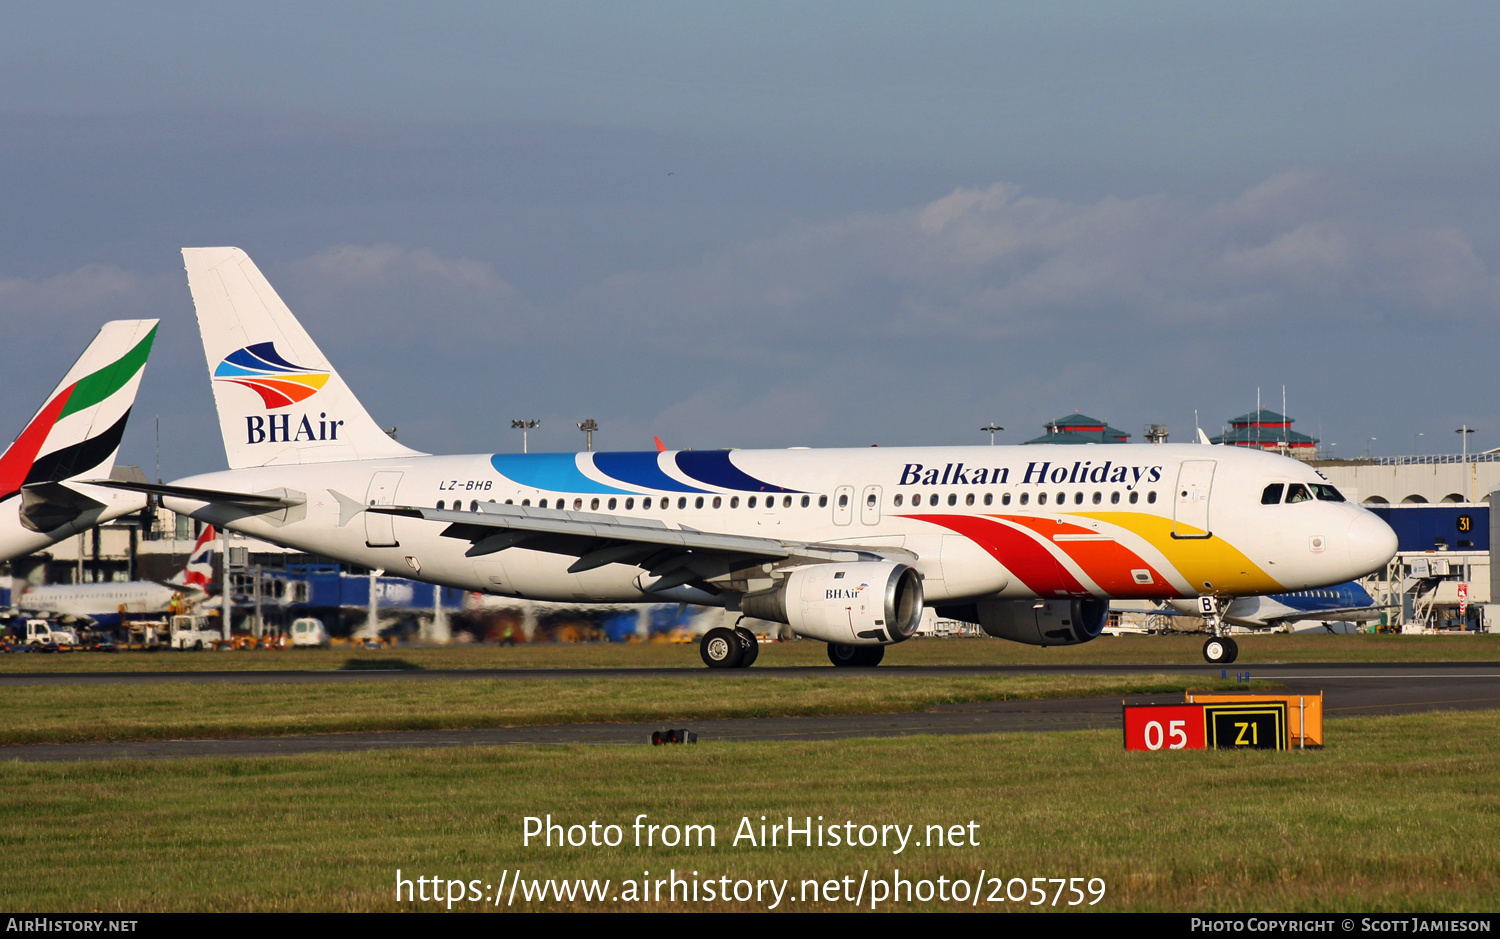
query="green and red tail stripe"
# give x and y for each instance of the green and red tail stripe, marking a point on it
(20, 465)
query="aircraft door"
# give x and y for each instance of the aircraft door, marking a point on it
(1190, 499)
(843, 505)
(379, 529)
(869, 505)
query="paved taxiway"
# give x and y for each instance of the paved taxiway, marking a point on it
(1351, 690)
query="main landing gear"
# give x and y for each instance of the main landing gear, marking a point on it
(1219, 649)
(855, 656)
(729, 648)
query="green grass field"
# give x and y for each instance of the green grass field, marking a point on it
(1106, 650)
(170, 710)
(1396, 814)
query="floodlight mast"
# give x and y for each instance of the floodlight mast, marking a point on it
(588, 426)
(1463, 432)
(523, 426)
(991, 427)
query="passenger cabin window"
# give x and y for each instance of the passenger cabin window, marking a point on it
(750, 502)
(1135, 497)
(1151, 497)
(822, 502)
(1025, 497)
(440, 505)
(646, 503)
(1078, 498)
(1327, 493)
(593, 503)
(870, 500)
(734, 502)
(613, 503)
(682, 502)
(806, 501)
(952, 499)
(1098, 497)
(698, 503)
(1272, 494)
(843, 501)
(896, 501)
(1041, 498)
(786, 502)
(969, 499)
(629, 504)
(718, 501)
(1297, 492)
(542, 504)
(1114, 498)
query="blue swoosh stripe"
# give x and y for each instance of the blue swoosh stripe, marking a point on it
(555, 472)
(715, 468)
(639, 469)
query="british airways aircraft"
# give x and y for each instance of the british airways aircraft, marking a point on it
(105, 602)
(75, 435)
(844, 546)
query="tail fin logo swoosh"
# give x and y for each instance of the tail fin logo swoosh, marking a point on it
(278, 382)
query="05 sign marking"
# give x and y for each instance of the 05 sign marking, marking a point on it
(1164, 727)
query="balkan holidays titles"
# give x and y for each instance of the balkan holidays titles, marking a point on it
(1037, 473)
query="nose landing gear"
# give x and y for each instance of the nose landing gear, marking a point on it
(1219, 649)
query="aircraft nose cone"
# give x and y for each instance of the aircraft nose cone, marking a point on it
(1372, 543)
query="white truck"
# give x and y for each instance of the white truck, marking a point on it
(193, 631)
(308, 631)
(40, 632)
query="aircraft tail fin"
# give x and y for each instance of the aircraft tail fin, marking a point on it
(279, 399)
(199, 569)
(78, 429)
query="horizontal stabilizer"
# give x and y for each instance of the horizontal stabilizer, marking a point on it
(249, 499)
(49, 506)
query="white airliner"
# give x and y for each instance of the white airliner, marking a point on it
(845, 546)
(105, 602)
(74, 436)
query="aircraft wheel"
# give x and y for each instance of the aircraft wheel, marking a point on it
(1234, 650)
(749, 646)
(721, 648)
(1216, 651)
(872, 655)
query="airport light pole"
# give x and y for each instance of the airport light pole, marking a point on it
(991, 427)
(523, 427)
(1367, 447)
(588, 426)
(1416, 447)
(1463, 433)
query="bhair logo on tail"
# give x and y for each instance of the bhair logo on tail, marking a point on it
(278, 382)
(253, 343)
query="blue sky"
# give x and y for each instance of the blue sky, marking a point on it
(774, 224)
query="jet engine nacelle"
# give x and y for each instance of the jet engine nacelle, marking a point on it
(1037, 622)
(865, 603)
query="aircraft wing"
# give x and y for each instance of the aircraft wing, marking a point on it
(675, 556)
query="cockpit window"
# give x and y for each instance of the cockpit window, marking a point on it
(1272, 495)
(1297, 492)
(1327, 493)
